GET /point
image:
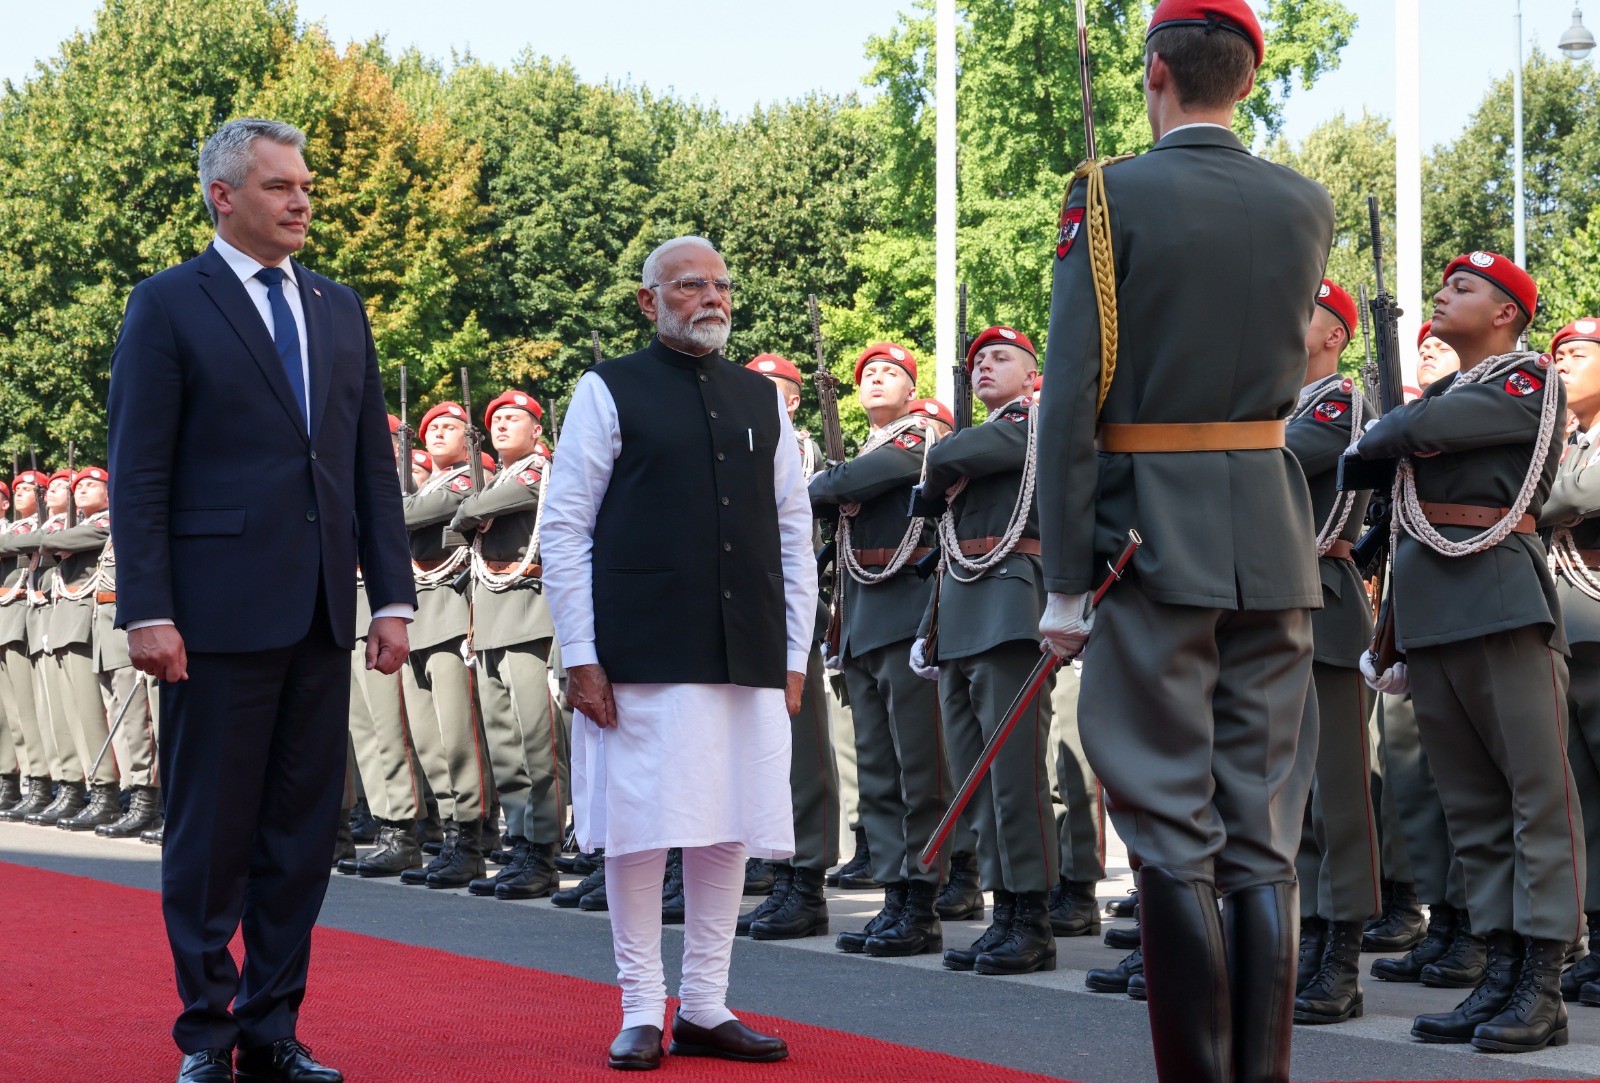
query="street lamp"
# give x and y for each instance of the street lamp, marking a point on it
(1577, 42)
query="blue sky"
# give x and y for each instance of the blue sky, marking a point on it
(738, 54)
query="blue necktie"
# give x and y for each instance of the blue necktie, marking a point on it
(285, 333)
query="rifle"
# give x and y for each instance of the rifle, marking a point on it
(827, 391)
(15, 470)
(1084, 83)
(474, 440)
(38, 493)
(408, 480)
(72, 500)
(594, 337)
(1369, 370)
(963, 375)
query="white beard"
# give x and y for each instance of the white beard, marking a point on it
(696, 330)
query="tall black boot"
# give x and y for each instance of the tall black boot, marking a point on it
(69, 802)
(1463, 964)
(782, 877)
(1587, 969)
(1502, 968)
(143, 809)
(857, 872)
(37, 800)
(1443, 920)
(918, 931)
(1186, 977)
(10, 791)
(803, 913)
(419, 875)
(466, 862)
(961, 898)
(398, 851)
(1400, 927)
(1028, 946)
(1259, 929)
(1005, 908)
(1313, 939)
(894, 901)
(1536, 1016)
(1334, 994)
(1074, 911)
(104, 807)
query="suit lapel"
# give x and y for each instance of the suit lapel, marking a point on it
(228, 294)
(319, 340)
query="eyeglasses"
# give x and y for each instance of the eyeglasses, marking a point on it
(690, 284)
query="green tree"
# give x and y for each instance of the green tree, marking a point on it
(1569, 285)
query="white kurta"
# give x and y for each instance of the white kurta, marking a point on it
(687, 764)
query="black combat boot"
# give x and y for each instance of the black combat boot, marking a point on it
(961, 899)
(10, 791)
(344, 847)
(363, 828)
(673, 904)
(1005, 908)
(431, 832)
(143, 809)
(782, 877)
(38, 799)
(1400, 927)
(69, 801)
(156, 833)
(568, 898)
(1028, 945)
(804, 911)
(1115, 979)
(759, 876)
(398, 851)
(1073, 909)
(1443, 919)
(418, 875)
(857, 872)
(1536, 1016)
(581, 864)
(917, 931)
(1126, 907)
(536, 879)
(1334, 994)
(1502, 968)
(1313, 939)
(483, 887)
(1122, 938)
(894, 901)
(1186, 975)
(466, 862)
(1587, 969)
(594, 900)
(1462, 965)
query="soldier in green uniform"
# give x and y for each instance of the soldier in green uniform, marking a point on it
(900, 758)
(35, 747)
(512, 637)
(980, 640)
(796, 908)
(1572, 514)
(1477, 615)
(1196, 674)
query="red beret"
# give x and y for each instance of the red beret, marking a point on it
(1341, 304)
(93, 473)
(422, 459)
(488, 461)
(1423, 333)
(4, 488)
(517, 400)
(887, 351)
(935, 409)
(1584, 330)
(60, 475)
(1493, 267)
(444, 409)
(1038, 382)
(1007, 335)
(39, 478)
(1235, 16)
(770, 364)
(394, 424)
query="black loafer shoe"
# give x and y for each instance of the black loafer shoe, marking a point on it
(637, 1049)
(207, 1066)
(730, 1041)
(284, 1061)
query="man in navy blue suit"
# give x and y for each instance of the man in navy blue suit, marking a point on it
(252, 472)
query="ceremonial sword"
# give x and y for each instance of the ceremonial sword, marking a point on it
(112, 732)
(1025, 695)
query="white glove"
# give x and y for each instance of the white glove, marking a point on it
(919, 660)
(830, 660)
(1396, 680)
(1066, 624)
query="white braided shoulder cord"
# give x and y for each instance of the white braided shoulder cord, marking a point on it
(452, 565)
(1339, 514)
(951, 557)
(848, 512)
(499, 582)
(1565, 561)
(1408, 510)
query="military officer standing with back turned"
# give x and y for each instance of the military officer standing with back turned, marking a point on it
(1197, 670)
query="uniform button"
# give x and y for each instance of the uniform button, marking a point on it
(727, 594)
(727, 547)
(704, 377)
(713, 413)
(720, 456)
(311, 516)
(313, 453)
(724, 501)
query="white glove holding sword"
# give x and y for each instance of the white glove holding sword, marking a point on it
(1068, 619)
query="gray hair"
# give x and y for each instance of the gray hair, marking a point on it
(228, 154)
(652, 262)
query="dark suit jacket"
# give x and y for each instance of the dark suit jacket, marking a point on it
(1218, 258)
(225, 512)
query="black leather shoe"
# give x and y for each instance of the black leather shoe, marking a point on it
(1186, 976)
(1004, 909)
(1127, 907)
(38, 799)
(1443, 920)
(730, 1041)
(1462, 966)
(1313, 939)
(1401, 926)
(857, 872)
(1073, 909)
(961, 899)
(917, 931)
(207, 1066)
(636, 1049)
(803, 912)
(465, 863)
(1115, 979)
(1536, 1016)
(595, 901)
(156, 834)
(782, 877)
(1136, 987)
(1122, 937)
(1502, 968)
(536, 879)
(580, 864)
(894, 901)
(418, 876)
(144, 808)
(1587, 969)
(1258, 932)
(398, 851)
(568, 898)
(1028, 946)
(759, 876)
(1334, 993)
(284, 1061)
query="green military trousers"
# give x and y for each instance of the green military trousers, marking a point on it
(527, 745)
(1080, 805)
(1339, 864)
(75, 694)
(134, 739)
(1412, 810)
(844, 749)
(65, 764)
(34, 749)
(1492, 711)
(1583, 751)
(813, 774)
(391, 774)
(443, 717)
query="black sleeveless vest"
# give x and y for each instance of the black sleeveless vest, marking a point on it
(688, 566)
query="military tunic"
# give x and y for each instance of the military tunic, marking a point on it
(34, 740)
(135, 738)
(75, 690)
(67, 765)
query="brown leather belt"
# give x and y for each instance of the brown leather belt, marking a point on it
(1471, 515)
(105, 597)
(501, 567)
(1200, 436)
(881, 558)
(1590, 557)
(1340, 550)
(979, 547)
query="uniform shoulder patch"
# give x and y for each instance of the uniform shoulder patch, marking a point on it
(908, 440)
(1521, 383)
(1544, 361)
(1347, 385)
(1070, 226)
(529, 476)
(462, 484)
(1330, 410)
(1016, 417)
